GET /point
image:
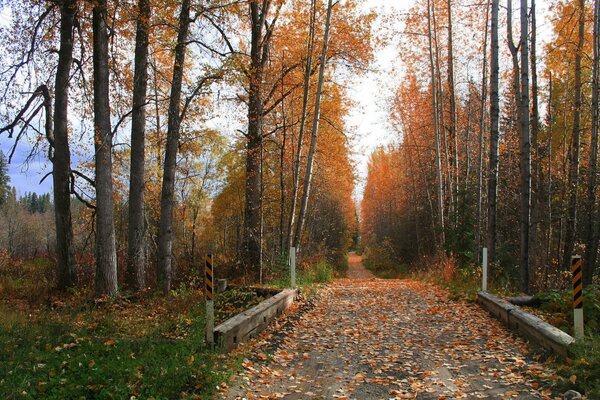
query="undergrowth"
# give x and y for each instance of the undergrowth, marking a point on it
(381, 260)
(67, 346)
(307, 275)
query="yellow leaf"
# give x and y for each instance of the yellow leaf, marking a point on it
(191, 360)
(573, 379)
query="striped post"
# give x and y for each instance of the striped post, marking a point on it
(210, 305)
(577, 296)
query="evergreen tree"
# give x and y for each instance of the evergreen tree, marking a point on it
(4, 179)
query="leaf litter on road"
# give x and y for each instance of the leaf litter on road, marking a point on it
(369, 338)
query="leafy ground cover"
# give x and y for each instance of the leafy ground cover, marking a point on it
(582, 370)
(71, 347)
(368, 338)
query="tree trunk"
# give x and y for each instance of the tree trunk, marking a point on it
(305, 95)
(136, 259)
(106, 253)
(494, 137)
(453, 135)
(575, 148)
(61, 161)
(481, 130)
(591, 254)
(442, 119)
(315, 130)
(436, 128)
(525, 149)
(282, 152)
(167, 196)
(536, 181)
(252, 216)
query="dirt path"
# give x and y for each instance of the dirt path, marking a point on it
(367, 338)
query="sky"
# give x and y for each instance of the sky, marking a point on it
(367, 119)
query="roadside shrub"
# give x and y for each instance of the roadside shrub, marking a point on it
(383, 261)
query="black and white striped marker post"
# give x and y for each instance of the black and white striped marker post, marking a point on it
(209, 294)
(577, 296)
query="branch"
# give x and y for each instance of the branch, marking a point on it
(77, 195)
(84, 177)
(199, 87)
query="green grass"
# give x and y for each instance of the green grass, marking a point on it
(582, 371)
(319, 273)
(68, 346)
(45, 359)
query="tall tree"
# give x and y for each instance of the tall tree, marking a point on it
(591, 225)
(106, 253)
(494, 136)
(136, 239)
(482, 114)
(167, 198)
(61, 158)
(305, 95)
(453, 120)
(261, 36)
(574, 151)
(315, 130)
(525, 142)
(536, 166)
(436, 128)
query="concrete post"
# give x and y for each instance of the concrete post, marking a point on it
(293, 267)
(210, 305)
(485, 270)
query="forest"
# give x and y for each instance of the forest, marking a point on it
(124, 100)
(168, 130)
(497, 145)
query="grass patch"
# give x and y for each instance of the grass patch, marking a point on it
(307, 275)
(67, 346)
(582, 371)
(95, 356)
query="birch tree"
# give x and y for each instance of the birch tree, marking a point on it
(315, 130)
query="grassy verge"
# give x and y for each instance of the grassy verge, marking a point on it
(106, 352)
(307, 275)
(70, 347)
(582, 371)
